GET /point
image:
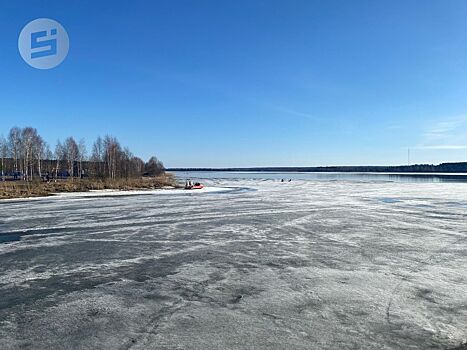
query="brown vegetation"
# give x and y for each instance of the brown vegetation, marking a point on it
(23, 189)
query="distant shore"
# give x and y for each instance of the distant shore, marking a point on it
(453, 168)
(25, 189)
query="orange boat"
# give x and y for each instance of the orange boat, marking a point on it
(196, 186)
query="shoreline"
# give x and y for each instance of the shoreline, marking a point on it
(30, 190)
(168, 190)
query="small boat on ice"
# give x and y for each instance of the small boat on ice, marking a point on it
(195, 186)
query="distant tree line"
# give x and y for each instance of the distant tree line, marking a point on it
(460, 167)
(25, 155)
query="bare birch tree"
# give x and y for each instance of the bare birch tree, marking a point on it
(14, 139)
(59, 156)
(3, 154)
(82, 154)
(97, 157)
(71, 154)
(29, 136)
(26, 152)
(39, 149)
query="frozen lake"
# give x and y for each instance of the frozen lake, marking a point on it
(325, 176)
(253, 264)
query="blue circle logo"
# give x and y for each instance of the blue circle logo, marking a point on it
(43, 43)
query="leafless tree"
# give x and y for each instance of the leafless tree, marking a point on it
(154, 167)
(71, 154)
(112, 150)
(29, 138)
(49, 156)
(82, 154)
(3, 154)
(39, 150)
(59, 155)
(97, 157)
(27, 152)
(137, 166)
(14, 139)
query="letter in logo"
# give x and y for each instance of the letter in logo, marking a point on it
(36, 44)
(43, 43)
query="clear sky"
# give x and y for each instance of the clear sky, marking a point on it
(248, 82)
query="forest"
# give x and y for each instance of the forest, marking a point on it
(25, 155)
(459, 167)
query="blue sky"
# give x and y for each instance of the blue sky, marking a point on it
(248, 83)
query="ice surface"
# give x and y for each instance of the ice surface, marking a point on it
(241, 265)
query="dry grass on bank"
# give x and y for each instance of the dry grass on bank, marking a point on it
(22, 189)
